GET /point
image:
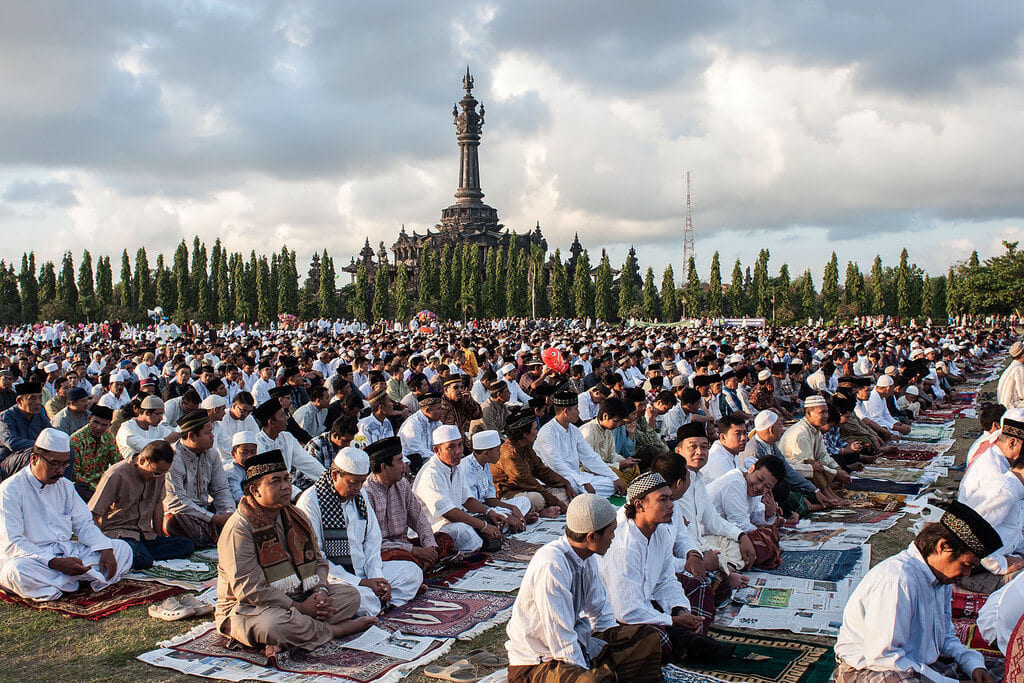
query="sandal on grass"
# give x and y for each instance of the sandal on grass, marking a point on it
(199, 609)
(480, 658)
(170, 610)
(461, 672)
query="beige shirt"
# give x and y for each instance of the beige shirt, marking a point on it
(802, 444)
(124, 502)
(601, 440)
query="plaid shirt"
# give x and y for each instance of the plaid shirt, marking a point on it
(834, 441)
(92, 456)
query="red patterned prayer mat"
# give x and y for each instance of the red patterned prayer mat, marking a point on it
(966, 605)
(332, 659)
(94, 606)
(514, 550)
(967, 632)
(1015, 653)
(442, 613)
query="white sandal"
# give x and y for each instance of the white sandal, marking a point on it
(170, 610)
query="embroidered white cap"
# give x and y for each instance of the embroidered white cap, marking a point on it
(485, 439)
(589, 512)
(213, 401)
(446, 433)
(55, 440)
(765, 419)
(352, 460)
(244, 436)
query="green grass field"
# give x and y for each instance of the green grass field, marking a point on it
(40, 646)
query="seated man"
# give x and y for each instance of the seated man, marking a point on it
(795, 493)
(804, 446)
(727, 452)
(477, 471)
(519, 472)
(562, 447)
(273, 421)
(441, 485)
(639, 572)
(989, 418)
(562, 625)
(244, 445)
(198, 503)
(75, 414)
(744, 497)
(40, 512)
(147, 426)
(875, 409)
(999, 616)
(94, 449)
(272, 580)
(20, 425)
(985, 473)
(238, 418)
(128, 504)
(376, 425)
(348, 535)
(726, 547)
(325, 446)
(599, 435)
(399, 511)
(417, 429)
(898, 619)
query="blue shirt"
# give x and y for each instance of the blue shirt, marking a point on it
(18, 432)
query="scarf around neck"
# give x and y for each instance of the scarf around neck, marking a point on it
(334, 525)
(289, 566)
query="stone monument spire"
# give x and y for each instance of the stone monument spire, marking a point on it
(468, 125)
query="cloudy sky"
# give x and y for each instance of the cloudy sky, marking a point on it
(807, 126)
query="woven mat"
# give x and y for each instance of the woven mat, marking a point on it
(196, 573)
(853, 516)
(94, 606)
(440, 613)
(514, 550)
(818, 565)
(883, 486)
(872, 500)
(789, 661)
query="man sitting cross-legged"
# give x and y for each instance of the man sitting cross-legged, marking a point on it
(128, 504)
(272, 580)
(562, 625)
(476, 467)
(349, 536)
(40, 512)
(744, 497)
(520, 472)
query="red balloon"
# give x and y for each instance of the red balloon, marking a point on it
(552, 358)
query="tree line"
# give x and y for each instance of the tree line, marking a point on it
(464, 281)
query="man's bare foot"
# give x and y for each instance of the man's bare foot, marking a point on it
(738, 581)
(531, 517)
(550, 512)
(271, 651)
(352, 626)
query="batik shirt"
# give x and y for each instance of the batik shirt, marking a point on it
(92, 456)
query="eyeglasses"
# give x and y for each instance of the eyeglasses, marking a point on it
(55, 465)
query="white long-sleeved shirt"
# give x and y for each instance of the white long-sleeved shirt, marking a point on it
(675, 418)
(1010, 389)
(720, 461)
(701, 514)
(876, 410)
(1003, 507)
(364, 538)
(983, 476)
(728, 493)
(261, 391)
(311, 418)
(417, 435)
(981, 444)
(999, 615)
(685, 542)
(638, 570)
(38, 521)
(441, 489)
(172, 413)
(295, 456)
(561, 602)
(229, 426)
(588, 409)
(564, 450)
(899, 618)
(132, 438)
(478, 479)
(115, 401)
(374, 429)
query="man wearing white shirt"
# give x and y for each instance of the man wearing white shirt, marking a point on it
(999, 616)
(348, 534)
(590, 401)
(639, 572)
(876, 409)
(727, 452)
(477, 471)
(562, 624)
(989, 418)
(441, 486)
(116, 395)
(273, 434)
(417, 431)
(176, 408)
(238, 418)
(561, 446)
(1010, 390)
(376, 425)
(40, 512)
(261, 387)
(898, 619)
(311, 416)
(989, 465)
(133, 435)
(744, 497)
(516, 393)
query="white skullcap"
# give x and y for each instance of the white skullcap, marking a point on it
(446, 433)
(1015, 414)
(244, 436)
(588, 512)
(507, 368)
(55, 440)
(352, 460)
(51, 367)
(485, 439)
(814, 401)
(915, 354)
(816, 382)
(763, 375)
(912, 390)
(213, 401)
(765, 419)
(119, 376)
(482, 350)
(584, 349)
(884, 381)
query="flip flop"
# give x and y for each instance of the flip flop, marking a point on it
(170, 610)
(199, 609)
(480, 658)
(460, 672)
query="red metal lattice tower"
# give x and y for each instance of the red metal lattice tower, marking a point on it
(687, 232)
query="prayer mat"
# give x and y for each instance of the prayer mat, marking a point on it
(788, 661)
(886, 502)
(95, 606)
(967, 632)
(197, 572)
(515, 550)
(853, 516)
(899, 464)
(330, 660)
(818, 565)
(441, 613)
(915, 454)
(617, 501)
(1015, 653)
(454, 569)
(966, 605)
(884, 486)
(907, 447)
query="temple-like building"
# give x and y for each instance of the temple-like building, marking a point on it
(467, 221)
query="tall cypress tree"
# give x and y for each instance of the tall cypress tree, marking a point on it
(288, 287)
(853, 290)
(694, 298)
(264, 294)
(243, 312)
(67, 292)
(185, 304)
(737, 297)
(604, 306)
(403, 301)
(29, 289)
(487, 295)
(783, 303)
(952, 300)
(508, 268)
(628, 295)
(830, 289)
(583, 287)
(362, 305)
(142, 289)
(225, 303)
(381, 296)
(715, 287)
(808, 297)
(86, 286)
(650, 303)
(104, 285)
(669, 307)
(166, 293)
(903, 287)
(561, 304)
(761, 284)
(541, 285)
(10, 300)
(201, 283)
(127, 299)
(327, 294)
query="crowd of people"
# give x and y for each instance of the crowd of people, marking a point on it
(333, 466)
